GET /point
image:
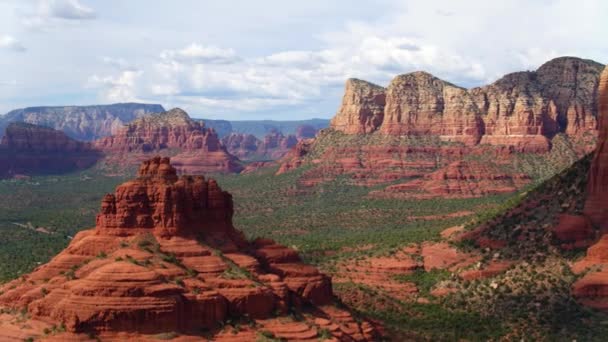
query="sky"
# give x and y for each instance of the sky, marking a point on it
(274, 59)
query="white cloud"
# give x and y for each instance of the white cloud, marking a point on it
(201, 54)
(49, 13)
(206, 66)
(8, 42)
(217, 79)
(121, 88)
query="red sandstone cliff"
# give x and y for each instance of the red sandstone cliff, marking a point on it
(30, 149)
(420, 104)
(194, 148)
(164, 257)
(362, 109)
(524, 109)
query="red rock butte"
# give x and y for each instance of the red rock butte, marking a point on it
(164, 257)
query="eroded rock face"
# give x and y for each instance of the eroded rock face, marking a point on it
(31, 149)
(522, 109)
(420, 104)
(195, 148)
(596, 206)
(164, 257)
(362, 109)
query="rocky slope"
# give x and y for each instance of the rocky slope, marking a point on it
(567, 213)
(165, 258)
(194, 147)
(27, 149)
(438, 139)
(81, 122)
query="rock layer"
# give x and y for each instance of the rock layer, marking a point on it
(164, 257)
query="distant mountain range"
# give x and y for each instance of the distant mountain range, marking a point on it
(89, 123)
(81, 122)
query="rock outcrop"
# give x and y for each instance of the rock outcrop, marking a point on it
(195, 148)
(438, 139)
(82, 122)
(164, 257)
(362, 109)
(522, 109)
(420, 104)
(30, 149)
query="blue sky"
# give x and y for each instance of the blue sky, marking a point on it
(267, 59)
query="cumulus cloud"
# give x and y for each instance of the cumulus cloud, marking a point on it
(8, 42)
(120, 88)
(217, 79)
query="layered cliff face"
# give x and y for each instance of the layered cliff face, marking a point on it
(195, 148)
(164, 257)
(30, 149)
(524, 109)
(422, 128)
(420, 104)
(362, 109)
(82, 122)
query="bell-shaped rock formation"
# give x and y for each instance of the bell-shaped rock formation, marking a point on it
(164, 257)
